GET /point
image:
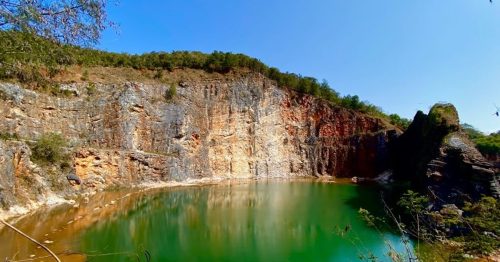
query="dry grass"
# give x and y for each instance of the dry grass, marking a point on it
(116, 75)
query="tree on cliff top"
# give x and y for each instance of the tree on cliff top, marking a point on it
(77, 22)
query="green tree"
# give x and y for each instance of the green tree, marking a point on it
(401, 122)
(413, 203)
(327, 93)
(77, 22)
(352, 102)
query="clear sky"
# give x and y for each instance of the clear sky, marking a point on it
(399, 55)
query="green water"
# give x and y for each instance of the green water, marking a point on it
(264, 221)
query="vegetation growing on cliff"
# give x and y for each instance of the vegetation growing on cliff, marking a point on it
(49, 149)
(444, 115)
(488, 145)
(170, 93)
(42, 59)
(8, 136)
(400, 122)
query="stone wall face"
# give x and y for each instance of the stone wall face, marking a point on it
(127, 134)
(436, 156)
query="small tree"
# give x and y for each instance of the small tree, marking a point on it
(399, 121)
(352, 102)
(413, 203)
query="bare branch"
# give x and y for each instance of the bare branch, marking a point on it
(32, 240)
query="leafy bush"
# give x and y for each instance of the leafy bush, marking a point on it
(489, 145)
(400, 122)
(483, 215)
(91, 89)
(486, 144)
(478, 227)
(170, 93)
(49, 149)
(413, 203)
(483, 219)
(85, 75)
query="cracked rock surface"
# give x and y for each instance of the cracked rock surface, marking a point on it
(126, 134)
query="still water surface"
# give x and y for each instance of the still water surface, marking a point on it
(255, 221)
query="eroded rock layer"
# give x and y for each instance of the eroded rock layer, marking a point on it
(441, 160)
(215, 126)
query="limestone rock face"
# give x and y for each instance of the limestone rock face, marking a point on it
(16, 173)
(437, 156)
(216, 126)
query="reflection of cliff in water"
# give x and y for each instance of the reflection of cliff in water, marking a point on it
(258, 221)
(62, 224)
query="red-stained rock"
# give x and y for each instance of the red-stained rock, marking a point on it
(216, 126)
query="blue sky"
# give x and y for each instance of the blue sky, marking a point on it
(400, 55)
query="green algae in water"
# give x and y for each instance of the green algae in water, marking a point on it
(261, 221)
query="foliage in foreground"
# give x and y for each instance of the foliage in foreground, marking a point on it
(483, 218)
(378, 223)
(68, 21)
(476, 227)
(29, 58)
(447, 234)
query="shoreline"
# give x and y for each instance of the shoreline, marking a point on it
(17, 213)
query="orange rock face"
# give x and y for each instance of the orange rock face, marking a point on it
(335, 141)
(216, 126)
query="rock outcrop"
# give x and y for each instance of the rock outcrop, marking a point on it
(234, 126)
(441, 160)
(24, 185)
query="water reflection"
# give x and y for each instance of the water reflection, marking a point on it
(257, 221)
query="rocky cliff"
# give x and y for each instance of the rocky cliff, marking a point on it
(232, 126)
(441, 160)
